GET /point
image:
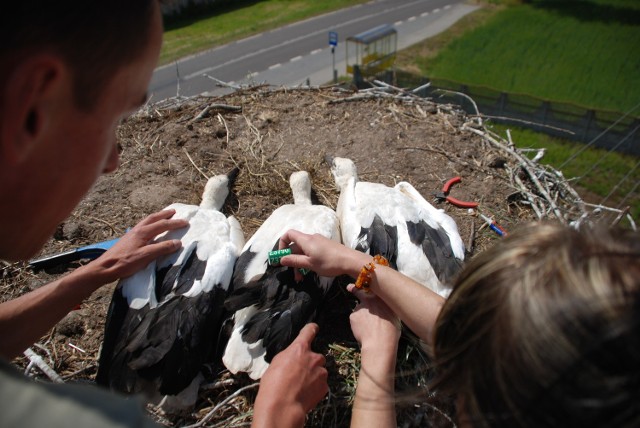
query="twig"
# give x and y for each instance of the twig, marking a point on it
(220, 404)
(222, 83)
(524, 164)
(44, 367)
(194, 164)
(205, 112)
(475, 106)
(624, 212)
(224, 122)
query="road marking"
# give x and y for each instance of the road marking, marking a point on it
(274, 66)
(296, 58)
(436, 10)
(240, 58)
(413, 18)
(447, 7)
(317, 51)
(397, 23)
(424, 14)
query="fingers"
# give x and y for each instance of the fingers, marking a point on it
(160, 226)
(163, 248)
(360, 294)
(307, 334)
(159, 222)
(289, 237)
(160, 215)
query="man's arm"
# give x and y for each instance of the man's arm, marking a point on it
(26, 319)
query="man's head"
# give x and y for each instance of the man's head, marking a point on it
(71, 71)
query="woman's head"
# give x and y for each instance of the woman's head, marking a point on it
(544, 330)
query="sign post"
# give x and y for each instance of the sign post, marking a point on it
(333, 42)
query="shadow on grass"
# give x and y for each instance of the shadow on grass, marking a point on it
(588, 11)
(197, 12)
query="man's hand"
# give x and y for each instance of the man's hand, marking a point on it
(137, 248)
(293, 384)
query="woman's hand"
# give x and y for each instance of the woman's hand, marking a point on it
(374, 325)
(322, 255)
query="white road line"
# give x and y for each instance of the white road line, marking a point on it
(413, 18)
(296, 58)
(293, 40)
(436, 10)
(397, 23)
(317, 51)
(447, 7)
(274, 66)
(424, 14)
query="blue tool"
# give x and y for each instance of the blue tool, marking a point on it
(92, 251)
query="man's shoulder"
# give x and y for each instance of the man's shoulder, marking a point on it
(27, 403)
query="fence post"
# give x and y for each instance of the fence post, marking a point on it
(545, 111)
(590, 115)
(502, 102)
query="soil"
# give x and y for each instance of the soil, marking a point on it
(166, 151)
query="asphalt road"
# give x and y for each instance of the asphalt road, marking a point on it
(299, 53)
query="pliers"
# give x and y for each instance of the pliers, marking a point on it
(444, 195)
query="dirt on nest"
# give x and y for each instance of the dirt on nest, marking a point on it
(167, 150)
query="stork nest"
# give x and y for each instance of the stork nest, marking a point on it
(169, 149)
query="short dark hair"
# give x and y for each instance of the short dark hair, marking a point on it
(95, 38)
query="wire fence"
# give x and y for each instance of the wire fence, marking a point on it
(611, 131)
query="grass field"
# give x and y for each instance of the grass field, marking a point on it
(582, 52)
(188, 36)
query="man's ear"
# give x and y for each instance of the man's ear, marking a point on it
(29, 100)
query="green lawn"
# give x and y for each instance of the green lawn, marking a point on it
(581, 52)
(226, 23)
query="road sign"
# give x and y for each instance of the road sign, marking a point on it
(333, 38)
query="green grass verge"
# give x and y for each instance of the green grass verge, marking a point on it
(579, 52)
(189, 36)
(597, 171)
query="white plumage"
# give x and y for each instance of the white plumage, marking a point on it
(397, 222)
(164, 321)
(270, 307)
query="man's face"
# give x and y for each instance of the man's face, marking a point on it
(83, 144)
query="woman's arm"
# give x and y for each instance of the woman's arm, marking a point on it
(377, 329)
(27, 318)
(416, 305)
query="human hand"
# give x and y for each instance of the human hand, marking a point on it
(375, 326)
(294, 383)
(322, 255)
(137, 248)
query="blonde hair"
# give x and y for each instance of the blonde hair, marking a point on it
(544, 330)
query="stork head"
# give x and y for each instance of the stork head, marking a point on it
(343, 170)
(300, 187)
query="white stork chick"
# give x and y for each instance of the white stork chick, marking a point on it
(419, 240)
(164, 321)
(270, 307)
